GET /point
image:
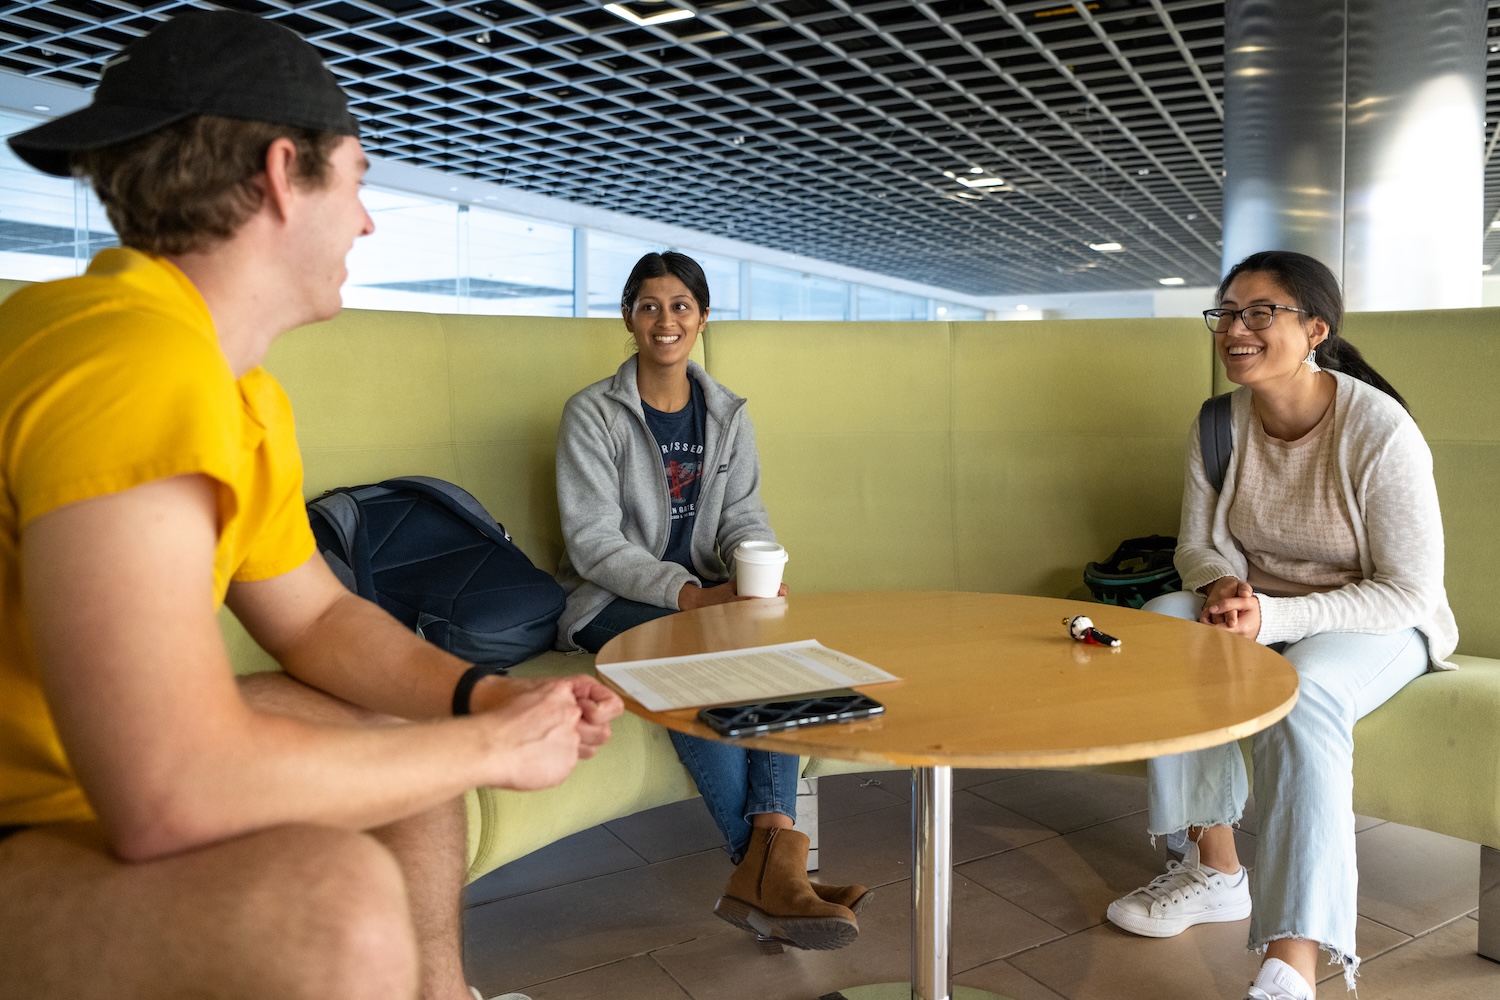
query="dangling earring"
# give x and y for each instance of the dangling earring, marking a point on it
(1311, 361)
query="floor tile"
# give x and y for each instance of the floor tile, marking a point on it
(588, 854)
(874, 848)
(1069, 881)
(669, 831)
(1067, 800)
(898, 783)
(1415, 880)
(1442, 965)
(1105, 963)
(1006, 980)
(967, 777)
(549, 934)
(987, 927)
(844, 795)
(1371, 939)
(625, 980)
(729, 967)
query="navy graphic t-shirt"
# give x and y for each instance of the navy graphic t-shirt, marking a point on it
(680, 437)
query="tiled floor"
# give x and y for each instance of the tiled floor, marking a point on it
(623, 912)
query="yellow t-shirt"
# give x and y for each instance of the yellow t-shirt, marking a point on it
(108, 381)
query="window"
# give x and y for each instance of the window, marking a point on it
(778, 294)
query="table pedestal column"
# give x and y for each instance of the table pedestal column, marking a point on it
(931, 898)
(931, 881)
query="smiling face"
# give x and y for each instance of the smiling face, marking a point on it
(665, 321)
(1272, 355)
(333, 219)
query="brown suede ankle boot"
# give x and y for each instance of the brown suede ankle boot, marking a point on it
(853, 896)
(769, 895)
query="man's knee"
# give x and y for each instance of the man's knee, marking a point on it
(345, 916)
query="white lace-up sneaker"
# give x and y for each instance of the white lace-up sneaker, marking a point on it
(1189, 893)
(1278, 981)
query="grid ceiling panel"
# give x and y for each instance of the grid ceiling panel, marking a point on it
(838, 129)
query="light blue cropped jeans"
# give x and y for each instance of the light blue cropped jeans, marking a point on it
(1306, 885)
(735, 783)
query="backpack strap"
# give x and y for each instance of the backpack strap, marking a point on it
(340, 509)
(1215, 439)
(456, 499)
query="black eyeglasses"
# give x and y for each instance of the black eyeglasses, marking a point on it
(1254, 317)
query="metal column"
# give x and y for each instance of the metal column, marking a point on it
(1353, 132)
(1489, 903)
(931, 882)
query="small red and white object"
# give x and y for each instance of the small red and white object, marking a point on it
(1081, 628)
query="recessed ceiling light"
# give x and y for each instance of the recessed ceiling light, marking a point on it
(1495, 224)
(1485, 267)
(976, 170)
(665, 17)
(1022, 308)
(1169, 281)
(41, 107)
(982, 182)
(1107, 247)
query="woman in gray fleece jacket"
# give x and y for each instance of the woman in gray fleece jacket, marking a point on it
(657, 483)
(1324, 541)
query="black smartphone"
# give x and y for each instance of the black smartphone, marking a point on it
(816, 709)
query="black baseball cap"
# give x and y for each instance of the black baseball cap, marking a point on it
(199, 63)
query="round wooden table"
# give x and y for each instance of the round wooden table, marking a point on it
(987, 680)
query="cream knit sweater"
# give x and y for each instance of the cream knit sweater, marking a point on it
(1384, 470)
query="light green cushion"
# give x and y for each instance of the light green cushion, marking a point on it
(1430, 757)
(853, 426)
(1447, 365)
(1068, 438)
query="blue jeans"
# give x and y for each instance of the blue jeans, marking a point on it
(735, 783)
(1306, 884)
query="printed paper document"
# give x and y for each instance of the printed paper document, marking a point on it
(761, 673)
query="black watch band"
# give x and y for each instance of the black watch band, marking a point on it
(465, 687)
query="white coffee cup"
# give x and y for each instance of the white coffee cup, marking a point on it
(758, 569)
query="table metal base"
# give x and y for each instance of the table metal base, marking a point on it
(931, 899)
(903, 991)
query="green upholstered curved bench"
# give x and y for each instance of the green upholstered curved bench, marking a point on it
(977, 456)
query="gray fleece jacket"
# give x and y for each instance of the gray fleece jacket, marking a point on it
(616, 511)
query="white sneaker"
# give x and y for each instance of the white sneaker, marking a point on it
(1189, 893)
(474, 992)
(1278, 981)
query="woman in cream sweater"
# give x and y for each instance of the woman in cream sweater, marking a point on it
(1325, 541)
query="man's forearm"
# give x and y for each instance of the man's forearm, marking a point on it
(358, 652)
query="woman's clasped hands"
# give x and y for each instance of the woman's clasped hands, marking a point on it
(1230, 603)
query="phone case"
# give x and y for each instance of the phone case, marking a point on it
(776, 716)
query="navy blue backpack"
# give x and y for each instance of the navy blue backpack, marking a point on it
(429, 553)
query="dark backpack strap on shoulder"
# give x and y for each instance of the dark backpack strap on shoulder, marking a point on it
(1215, 439)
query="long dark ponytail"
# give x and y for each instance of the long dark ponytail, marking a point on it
(1314, 288)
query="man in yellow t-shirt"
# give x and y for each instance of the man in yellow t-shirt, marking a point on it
(164, 828)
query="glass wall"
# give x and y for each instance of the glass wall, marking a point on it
(778, 294)
(49, 226)
(432, 255)
(610, 259)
